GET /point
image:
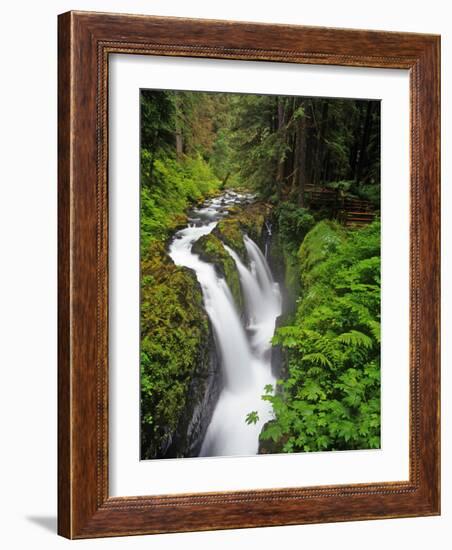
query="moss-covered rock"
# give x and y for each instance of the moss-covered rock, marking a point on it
(172, 384)
(319, 243)
(249, 219)
(252, 219)
(229, 231)
(211, 249)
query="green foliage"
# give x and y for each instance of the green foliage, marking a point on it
(255, 140)
(293, 222)
(340, 137)
(258, 147)
(157, 120)
(175, 184)
(252, 418)
(344, 185)
(370, 193)
(331, 398)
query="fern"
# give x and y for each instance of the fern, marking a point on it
(356, 339)
(331, 397)
(318, 358)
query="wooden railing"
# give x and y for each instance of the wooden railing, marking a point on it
(349, 211)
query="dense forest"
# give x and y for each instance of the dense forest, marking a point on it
(312, 166)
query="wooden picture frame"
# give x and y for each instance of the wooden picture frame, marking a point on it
(85, 42)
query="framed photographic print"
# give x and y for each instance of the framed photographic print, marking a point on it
(248, 275)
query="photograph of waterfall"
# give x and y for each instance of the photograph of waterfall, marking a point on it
(260, 274)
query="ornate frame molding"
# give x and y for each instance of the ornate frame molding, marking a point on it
(85, 42)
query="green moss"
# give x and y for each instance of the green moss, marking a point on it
(292, 223)
(292, 274)
(211, 249)
(252, 218)
(319, 243)
(248, 219)
(172, 318)
(229, 232)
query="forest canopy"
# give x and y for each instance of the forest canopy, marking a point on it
(275, 144)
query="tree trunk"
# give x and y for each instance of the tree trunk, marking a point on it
(356, 151)
(224, 182)
(321, 143)
(179, 138)
(179, 144)
(296, 162)
(302, 161)
(301, 157)
(363, 157)
(282, 138)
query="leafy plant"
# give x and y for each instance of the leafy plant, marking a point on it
(331, 397)
(252, 417)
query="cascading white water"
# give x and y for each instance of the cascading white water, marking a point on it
(219, 305)
(264, 274)
(244, 353)
(262, 297)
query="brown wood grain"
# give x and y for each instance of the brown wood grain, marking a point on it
(64, 295)
(85, 42)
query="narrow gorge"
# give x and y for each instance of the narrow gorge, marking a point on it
(243, 324)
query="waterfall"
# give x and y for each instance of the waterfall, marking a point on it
(219, 304)
(262, 297)
(268, 227)
(243, 350)
(263, 270)
(252, 293)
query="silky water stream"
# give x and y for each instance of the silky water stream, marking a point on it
(244, 346)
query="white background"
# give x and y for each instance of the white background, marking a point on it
(128, 475)
(28, 271)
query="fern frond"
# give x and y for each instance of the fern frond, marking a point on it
(356, 339)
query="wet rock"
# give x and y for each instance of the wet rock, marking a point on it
(211, 250)
(203, 395)
(279, 356)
